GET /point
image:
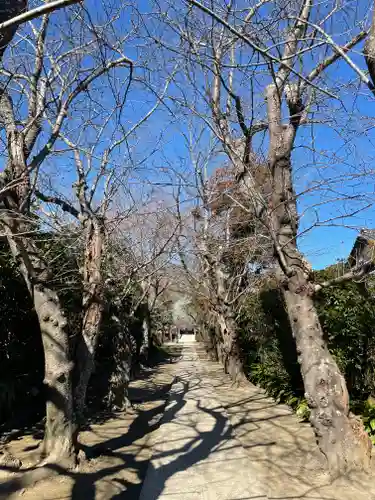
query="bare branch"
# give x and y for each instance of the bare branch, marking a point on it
(357, 272)
(37, 12)
(80, 87)
(64, 205)
(262, 51)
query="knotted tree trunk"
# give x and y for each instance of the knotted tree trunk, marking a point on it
(59, 436)
(93, 309)
(119, 384)
(340, 436)
(229, 346)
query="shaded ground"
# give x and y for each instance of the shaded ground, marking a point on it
(211, 441)
(117, 445)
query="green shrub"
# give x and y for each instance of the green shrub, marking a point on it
(268, 347)
(347, 315)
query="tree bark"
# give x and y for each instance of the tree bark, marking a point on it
(118, 395)
(93, 309)
(230, 350)
(59, 441)
(369, 48)
(146, 333)
(9, 9)
(59, 436)
(340, 436)
(209, 340)
(229, 346)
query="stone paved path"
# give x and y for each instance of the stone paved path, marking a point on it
(221, 442)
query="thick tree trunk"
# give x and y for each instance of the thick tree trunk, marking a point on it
(59, 436)
(210, 342)
(59, 441)
(230, 351)
(93, 308)
(340, 435)
(118, 396)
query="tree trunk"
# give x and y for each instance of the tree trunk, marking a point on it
(230, 351)
(118, 396)
(59, 441)
(369, 48)
(93, 308)
(59, 436)
(209, 340)
(146, 334)
(340, 435)
(8, 10)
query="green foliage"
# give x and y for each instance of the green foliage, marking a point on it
(347, 315)
(162, 316)
(302, 410)
(21, 352)
(273, 378)
(269, 349)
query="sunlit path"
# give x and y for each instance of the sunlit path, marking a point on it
(217, 441)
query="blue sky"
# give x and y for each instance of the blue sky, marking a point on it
(341, 149)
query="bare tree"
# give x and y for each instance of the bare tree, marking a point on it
(34, 126)
(103, 202)
(225, 49)
(15, 13)
(225, 246)
(151, 242)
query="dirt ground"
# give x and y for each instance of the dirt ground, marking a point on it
(117, 448)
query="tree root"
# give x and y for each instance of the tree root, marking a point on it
(8, 460)
(26, 479)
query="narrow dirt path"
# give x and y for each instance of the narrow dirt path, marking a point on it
(195, 454)
(117, 447)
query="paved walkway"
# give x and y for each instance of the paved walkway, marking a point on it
(217, 442)
(197, 438)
